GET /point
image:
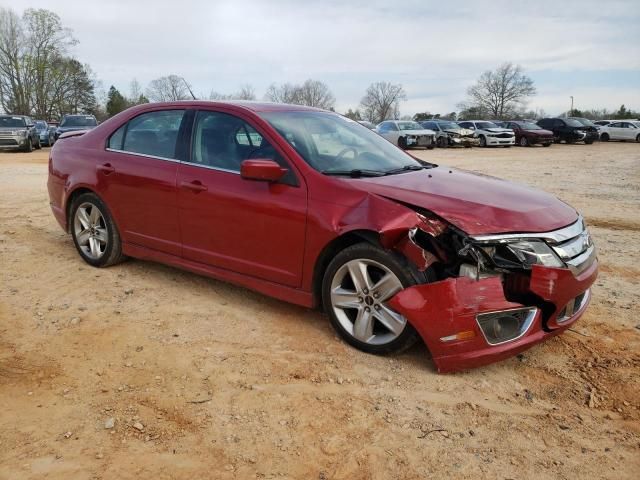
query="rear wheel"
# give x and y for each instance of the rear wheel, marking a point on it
(94, 233)
(605, 137)
(546, 144)
(356, 289)
(524, 142)
(402, 143)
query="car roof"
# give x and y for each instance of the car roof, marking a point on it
(248, 105)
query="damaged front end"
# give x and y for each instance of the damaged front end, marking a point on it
(497, 294)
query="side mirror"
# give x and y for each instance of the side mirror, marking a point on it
(31, 125)
(261, 170)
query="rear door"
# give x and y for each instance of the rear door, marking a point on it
(138, 174)
(251, 227)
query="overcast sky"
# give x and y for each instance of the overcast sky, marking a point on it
(588, 49)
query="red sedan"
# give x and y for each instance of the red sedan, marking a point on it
(312, 208)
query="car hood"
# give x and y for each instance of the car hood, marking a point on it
(477, 204)
(9, 129)
(497, 130)
(460, 131)
(424, 131)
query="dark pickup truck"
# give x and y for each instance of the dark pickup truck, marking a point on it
(569, 130)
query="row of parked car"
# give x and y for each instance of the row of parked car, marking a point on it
(21, 132)
(485, 133)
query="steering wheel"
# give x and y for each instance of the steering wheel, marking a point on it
(344, 151)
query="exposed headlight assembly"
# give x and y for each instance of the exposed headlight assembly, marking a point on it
(534, 252)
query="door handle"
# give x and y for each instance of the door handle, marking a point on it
(195, 186)
(106, 168)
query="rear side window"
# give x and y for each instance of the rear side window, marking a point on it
(152, 133)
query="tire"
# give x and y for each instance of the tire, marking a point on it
(95, 224)
(588, 142)
(29, 146)
(362, 302)
(524, 141)
(605, 137)
(483, 141)
(431, 147)
(638, 138)
(38, 146)
(442, 142)
(546, 144)
(402, 143)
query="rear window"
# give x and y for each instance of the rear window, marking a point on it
(79, 121)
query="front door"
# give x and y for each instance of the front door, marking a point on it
(251, 227)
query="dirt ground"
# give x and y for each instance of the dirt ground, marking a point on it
(201, 379)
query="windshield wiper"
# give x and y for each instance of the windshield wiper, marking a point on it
(355, 173)
(405, 168)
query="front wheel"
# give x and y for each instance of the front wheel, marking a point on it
(442, 142)
(38, 145)
(605, 137)
(638, 138)
(524, 142)
(402, 143)
(29, 146)
(483, 141)
(356, 287)
(94, 233)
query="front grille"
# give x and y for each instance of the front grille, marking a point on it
(424, 140)
(8, 141)
(574, 247)
(504, 135)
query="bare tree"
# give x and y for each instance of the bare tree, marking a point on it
(247, 92)
(382, 101)
(168, 89)
(501, 92)
(14, 89)
(314, 93)
(285, 93)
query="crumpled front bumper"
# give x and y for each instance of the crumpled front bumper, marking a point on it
(442, 309)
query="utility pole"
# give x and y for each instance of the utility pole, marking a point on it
(571, 111)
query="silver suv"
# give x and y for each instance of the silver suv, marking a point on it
(18, 132)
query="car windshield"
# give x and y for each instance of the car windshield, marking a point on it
(334, 144)
(449, 126)
(12, 122)
(409, 126)
(573, 123)
(585, 121)
(79, 121)
(528, 126)
(485, 125)
(41, 126)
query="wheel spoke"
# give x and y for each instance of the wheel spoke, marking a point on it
(101, 235)
(393, 321)
(84, 218)
(94, 247)
(342, 298)
(95, 216)
(387, 286)
(359, 276)
(83, 237)
(363, 326)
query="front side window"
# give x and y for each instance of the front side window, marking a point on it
(223, 141)
(152, 133)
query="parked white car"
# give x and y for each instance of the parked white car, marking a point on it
(622, 130)
(407, 134)
(489, 134)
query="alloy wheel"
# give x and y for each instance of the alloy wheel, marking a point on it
(360, 290)
(90, 230)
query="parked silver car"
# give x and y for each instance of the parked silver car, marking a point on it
(18, 132)
(407, 134)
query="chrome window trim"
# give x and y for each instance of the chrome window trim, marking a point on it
(144, 155)
(555, 236)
